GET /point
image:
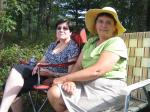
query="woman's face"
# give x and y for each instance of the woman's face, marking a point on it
(105, 26)
(63, 32)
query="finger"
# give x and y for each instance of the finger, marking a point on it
(33, 72)
(65, 87)
(69, 88)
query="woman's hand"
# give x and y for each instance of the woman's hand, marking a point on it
(43, 72)
(34, 70)
(46, 72)
(59, 80)
(69, 87)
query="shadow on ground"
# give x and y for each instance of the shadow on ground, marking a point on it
(48, 108)
(147, 109)
(28, 106)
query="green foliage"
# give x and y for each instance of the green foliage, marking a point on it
(9, 55)
(3, 72)
(12, 54)
(7, 24)
(14, 7)
(34, 16)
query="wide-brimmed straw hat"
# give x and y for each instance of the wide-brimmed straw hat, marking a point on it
(91, 15)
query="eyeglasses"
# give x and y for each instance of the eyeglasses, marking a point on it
(64, 28)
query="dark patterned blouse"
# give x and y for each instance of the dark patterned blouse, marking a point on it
(71, 51)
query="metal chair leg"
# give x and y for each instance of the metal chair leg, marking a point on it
(33, 105)
(34, 102)
(127, 99)
(42, 105)
(147, 96)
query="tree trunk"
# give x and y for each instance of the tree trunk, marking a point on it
(41, 16)
(2, 35)
(1, 5)
(76, 12)
(148, 15)
(143, 18)
(39, 20)
(19, 25)
(1, 41)
(30, 25)
(48, 18)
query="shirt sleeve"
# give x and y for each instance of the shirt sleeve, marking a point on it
(117, 46)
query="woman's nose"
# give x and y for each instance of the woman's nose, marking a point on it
(104, 25)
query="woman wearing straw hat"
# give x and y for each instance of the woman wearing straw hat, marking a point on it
(100, 72)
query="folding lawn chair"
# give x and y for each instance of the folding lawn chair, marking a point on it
(80, 39)
(138, 70)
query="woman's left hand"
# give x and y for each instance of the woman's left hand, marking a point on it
(45, 72)
(69, 87)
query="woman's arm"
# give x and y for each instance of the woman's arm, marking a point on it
(105, 63)
(77, 66)
(46, 72)
(71, 68)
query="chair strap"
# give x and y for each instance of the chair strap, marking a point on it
(56, 65)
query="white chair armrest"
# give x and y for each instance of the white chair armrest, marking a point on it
(127, 90)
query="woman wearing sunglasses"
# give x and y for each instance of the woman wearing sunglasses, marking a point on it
(100, 72)
(22, 78)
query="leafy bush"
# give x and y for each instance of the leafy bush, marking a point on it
(3, 72)
(11, 55)
(6, 25)
(23, 48)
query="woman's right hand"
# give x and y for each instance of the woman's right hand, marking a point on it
(69, 87)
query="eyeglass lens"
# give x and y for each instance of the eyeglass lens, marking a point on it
(64, 28)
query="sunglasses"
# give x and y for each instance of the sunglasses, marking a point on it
(64, 28)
